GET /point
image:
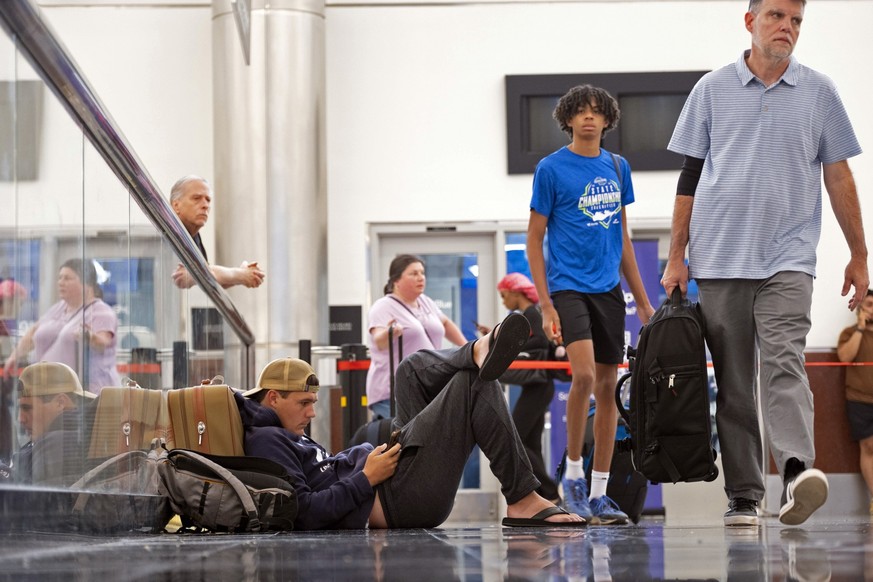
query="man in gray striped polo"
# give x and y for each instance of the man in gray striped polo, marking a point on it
(757, 135)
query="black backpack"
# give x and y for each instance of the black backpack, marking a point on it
(669, 417)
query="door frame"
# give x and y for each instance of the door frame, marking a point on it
(487, 239)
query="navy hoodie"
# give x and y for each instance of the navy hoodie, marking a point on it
(332, 491)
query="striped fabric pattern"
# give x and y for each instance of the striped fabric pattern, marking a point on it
(757, 209)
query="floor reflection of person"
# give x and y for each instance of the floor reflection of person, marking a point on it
(54, 411)
(547, 554)
(80, 330)
(392, 557)
(868, 557)
(803, 559)
(537, 388)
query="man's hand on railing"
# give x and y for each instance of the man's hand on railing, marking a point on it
(250, 274)
(181, 278)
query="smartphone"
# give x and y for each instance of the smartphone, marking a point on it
(476, 323)
(394, 438)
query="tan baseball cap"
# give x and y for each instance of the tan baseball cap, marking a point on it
(50, 378)
(286, 375)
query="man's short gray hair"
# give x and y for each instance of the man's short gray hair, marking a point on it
(755, 5)
(179, 187)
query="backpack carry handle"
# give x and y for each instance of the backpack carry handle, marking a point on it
(621, 409)
(676, 297)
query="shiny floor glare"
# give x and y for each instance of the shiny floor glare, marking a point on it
(836, 549)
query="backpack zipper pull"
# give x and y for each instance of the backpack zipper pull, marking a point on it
(670, 385)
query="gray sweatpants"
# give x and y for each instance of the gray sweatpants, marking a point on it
(752, 324)
(444, 409)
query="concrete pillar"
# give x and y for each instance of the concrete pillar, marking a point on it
(270, 192)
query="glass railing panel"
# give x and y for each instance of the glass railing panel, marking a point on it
(56, 341)
(13, 297)
(93, 331)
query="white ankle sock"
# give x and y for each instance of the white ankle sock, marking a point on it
(574, 470)
(598, 484)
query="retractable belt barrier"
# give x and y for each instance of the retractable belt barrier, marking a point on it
(351, 368)
(552, 365)
(364, 365)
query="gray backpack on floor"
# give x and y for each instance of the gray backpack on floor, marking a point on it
(228, 494)
(122, 493)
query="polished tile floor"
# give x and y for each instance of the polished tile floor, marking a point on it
(831, 549)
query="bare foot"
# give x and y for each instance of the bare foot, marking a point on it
(532, 504)
(480, 349)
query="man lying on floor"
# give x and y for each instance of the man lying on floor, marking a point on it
(447, 402)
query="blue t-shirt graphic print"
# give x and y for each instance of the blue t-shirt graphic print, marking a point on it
(601, 201)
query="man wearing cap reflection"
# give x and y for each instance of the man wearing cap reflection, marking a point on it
(53, 410)
(447, 402)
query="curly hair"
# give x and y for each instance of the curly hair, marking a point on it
(580, 96)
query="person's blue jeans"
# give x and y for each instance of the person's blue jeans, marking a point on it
(381, 409)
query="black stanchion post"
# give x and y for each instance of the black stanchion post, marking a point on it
(8, 385)
(145, 368)
(304, 352)
(304, 347)
(180, 364)
(353, 380)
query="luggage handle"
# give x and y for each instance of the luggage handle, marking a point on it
(621, 409)
(391, 370)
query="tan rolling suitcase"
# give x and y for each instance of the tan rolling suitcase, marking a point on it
(205, 419)
(127, 418)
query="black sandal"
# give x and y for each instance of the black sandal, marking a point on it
(505, 346)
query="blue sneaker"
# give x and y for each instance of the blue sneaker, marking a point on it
(576, 497)
(606, 511)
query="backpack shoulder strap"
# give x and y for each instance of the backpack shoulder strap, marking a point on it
(615, 162)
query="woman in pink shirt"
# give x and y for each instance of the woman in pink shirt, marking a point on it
(79, 323)
(414, 316)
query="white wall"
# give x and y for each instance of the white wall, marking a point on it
(151, 66)
(415, 101)
(416, 114)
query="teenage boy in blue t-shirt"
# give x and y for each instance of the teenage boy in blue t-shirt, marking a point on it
(579, 198)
